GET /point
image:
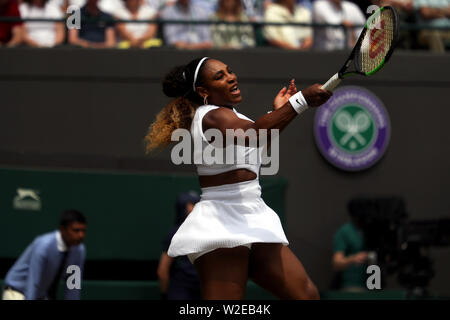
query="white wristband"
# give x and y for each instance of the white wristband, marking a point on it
(298, 102)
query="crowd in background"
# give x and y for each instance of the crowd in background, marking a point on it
(106, 33)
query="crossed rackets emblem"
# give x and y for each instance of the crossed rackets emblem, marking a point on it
(353, 126)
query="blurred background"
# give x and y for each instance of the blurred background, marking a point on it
(75, 105)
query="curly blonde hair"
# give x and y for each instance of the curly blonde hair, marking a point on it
(179, 112)
(176, 114)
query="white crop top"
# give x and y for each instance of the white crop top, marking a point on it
(223, 159)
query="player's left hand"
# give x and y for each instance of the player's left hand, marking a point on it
(283, 96)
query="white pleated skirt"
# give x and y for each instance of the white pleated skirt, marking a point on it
(227, 216)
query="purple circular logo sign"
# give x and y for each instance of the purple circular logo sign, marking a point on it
(352, 129)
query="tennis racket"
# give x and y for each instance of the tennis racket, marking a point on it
(373, 48)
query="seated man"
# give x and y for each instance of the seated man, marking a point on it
(288, 37)
(10, 33)
(186, 36)
(37, 272)
(99, 34)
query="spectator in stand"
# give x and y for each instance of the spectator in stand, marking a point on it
(231, 36)
(10, 33)
(98, 34)
(42, 34)
(288, 37)
(337, 12)
(137, 35)
(434, 13)
(188, 36)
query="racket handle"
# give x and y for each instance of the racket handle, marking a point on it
(332, 83)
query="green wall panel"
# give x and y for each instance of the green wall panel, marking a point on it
(128, 213)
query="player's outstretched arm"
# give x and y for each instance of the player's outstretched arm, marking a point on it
(224, 119)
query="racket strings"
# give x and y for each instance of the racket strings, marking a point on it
(377, 41)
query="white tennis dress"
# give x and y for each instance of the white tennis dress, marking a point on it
(229, 215)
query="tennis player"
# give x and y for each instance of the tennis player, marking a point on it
(231, 235)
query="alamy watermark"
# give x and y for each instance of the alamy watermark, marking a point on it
(74, 20)
(239, 147)
(375, 22)
(374, 280)
(74, 280)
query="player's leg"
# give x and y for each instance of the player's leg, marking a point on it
(223, 273)
(274, 267)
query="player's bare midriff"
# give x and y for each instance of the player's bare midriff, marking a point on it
(235, 176)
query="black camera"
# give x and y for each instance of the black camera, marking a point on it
(401, 245)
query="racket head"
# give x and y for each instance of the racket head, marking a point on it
(375, 44)
(379, 41)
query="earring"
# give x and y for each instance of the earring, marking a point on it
(205, 100)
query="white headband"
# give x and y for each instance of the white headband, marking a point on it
(196, 71)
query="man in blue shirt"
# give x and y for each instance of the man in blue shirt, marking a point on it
(37, 272)
(94, 34)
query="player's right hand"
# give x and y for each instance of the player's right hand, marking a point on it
(315, 96)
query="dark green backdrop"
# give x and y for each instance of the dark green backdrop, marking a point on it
(128, 213)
